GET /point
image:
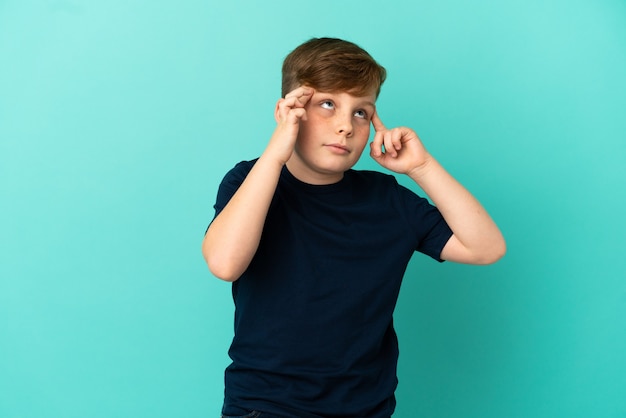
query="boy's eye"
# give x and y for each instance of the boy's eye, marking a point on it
(328, 105)
(361, 114)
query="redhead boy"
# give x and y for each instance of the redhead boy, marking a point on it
(316, 251)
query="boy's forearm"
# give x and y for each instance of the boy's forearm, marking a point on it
(477, 239)
(233, 237)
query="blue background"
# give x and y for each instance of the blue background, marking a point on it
(118, 119)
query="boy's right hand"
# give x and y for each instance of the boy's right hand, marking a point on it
(288, 113)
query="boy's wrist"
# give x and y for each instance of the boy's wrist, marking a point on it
(267, 158)
(421, 172)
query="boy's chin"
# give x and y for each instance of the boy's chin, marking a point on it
(339, 168)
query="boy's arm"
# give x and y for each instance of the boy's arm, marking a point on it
(233, 237)
(476, 238)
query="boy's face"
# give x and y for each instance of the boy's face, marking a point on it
(333, 136)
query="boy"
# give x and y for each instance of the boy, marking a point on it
(316, 250)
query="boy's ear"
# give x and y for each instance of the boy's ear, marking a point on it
(276, 115)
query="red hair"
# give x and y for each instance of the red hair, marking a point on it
(332, 65)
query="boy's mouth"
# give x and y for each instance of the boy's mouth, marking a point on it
(338, 148)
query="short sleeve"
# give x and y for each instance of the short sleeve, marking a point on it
(230, 184)
(432, 230)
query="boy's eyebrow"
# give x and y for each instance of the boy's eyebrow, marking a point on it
(365, 102)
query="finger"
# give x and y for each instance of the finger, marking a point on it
(374, 153)
(301, 95)
(283, 106)
(299, 91)
(289, 102)
(377, 144)
(378, 124)
(396, 138)
(389, 145)
(295, 115)
(393, 142)
(289, 105)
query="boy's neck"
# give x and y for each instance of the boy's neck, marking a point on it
(306, 175)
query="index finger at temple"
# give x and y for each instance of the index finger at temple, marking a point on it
(300, 92)
(307, 93)
(378, 124)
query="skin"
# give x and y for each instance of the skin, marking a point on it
(320, 135)
(332, 137)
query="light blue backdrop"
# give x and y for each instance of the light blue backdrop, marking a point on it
(119, 118)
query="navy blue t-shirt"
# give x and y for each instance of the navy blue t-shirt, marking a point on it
(314, 332)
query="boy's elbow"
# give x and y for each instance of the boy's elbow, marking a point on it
(502, 249)
(487, 254)
(487, 251)
(222, 271)
(223, 274)
(218, 268)
(495, 253)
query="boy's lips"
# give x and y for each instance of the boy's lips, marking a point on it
(338, 148)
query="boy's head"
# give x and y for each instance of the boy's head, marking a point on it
(332, 65)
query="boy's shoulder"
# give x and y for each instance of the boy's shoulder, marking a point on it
(245, 165)
(240, 170)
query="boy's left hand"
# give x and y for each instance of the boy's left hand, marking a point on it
(403, 151)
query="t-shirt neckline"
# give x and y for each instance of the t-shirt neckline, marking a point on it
(341, 185)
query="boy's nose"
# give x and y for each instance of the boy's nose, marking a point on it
(344, 125)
